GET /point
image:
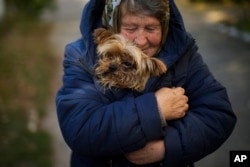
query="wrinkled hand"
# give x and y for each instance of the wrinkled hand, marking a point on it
(172, 102)
(154, 151)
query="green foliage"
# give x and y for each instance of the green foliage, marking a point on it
(221, 1)
(25, 78)
(237, 12)
(30, 10)
(207, 1)
(18, 146)
(238, 1)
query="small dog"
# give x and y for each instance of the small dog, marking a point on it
(123, 65)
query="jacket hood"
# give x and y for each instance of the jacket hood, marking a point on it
(178, 41)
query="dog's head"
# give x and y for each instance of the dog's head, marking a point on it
(123, 65)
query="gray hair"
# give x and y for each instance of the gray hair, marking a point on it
(153, 8)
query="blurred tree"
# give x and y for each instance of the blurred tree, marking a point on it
(239, 8)
(208, 1)
(1, 8)
(238, 1)
(244, 17)
(30, 10)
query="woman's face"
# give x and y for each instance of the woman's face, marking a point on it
(144, 31)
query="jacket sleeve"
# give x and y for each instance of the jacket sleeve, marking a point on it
(209, 120)
(93, 127)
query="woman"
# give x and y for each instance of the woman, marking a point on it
(179, 118)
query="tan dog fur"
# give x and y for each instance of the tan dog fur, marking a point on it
(123, 65)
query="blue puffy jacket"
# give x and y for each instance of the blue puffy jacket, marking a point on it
(102, 126)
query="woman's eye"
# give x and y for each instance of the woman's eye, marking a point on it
(130, 29)
(150, 29)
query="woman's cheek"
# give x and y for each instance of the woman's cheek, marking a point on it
(155, 39)
(128, 36)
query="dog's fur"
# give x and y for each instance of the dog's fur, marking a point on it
(123, 65)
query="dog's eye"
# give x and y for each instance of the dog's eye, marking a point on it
(110, 56)
(127, 64)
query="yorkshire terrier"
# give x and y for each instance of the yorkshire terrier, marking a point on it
(123, 65)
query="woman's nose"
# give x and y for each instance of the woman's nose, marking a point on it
(140, 39)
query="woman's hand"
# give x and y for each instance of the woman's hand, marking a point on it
(172, 102)
(154, 151)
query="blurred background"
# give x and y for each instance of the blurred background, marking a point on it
(32, 39)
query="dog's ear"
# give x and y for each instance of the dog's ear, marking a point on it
(154, 66)
(101, 35)
(158, 67)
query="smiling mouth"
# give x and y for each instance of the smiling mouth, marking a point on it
(145, 51)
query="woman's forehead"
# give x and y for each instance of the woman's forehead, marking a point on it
(130, 19)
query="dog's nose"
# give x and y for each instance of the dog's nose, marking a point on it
(112, 68)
